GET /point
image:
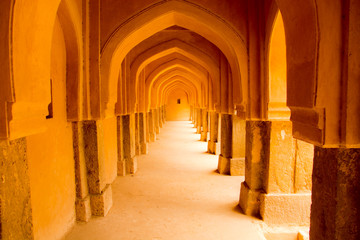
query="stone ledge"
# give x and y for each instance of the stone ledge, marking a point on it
(290, 209)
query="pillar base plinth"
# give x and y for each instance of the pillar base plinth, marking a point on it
(121, 168)
(204, 136)
(83, 209)
(250, 200)
(224, 165)
(101, 203)
(131, 165)
(289, 209)
(144, 148)
(237, 166)
(213, 147)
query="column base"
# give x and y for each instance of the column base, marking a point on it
(204, 136)
(224, 165)
(250, 200)
(213, 147)
(83, 209)
(101, 203)
(131, 165)
(152, 137)
(144, 148)
(289, 209)
(231, 166)
(121, 168)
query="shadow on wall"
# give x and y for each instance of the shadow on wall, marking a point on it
(177, 106)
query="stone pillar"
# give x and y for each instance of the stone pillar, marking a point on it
(163, 114)
(15, 199)
(204, 131)
(142, 134)
(232, 156)
(152, 131)
(160, 117)
(137, 134)
(195, 120)
(214, 142)
(121, 165)
(82, 202)
(100, 191)
(156, 120)
(191, 114)
(198, 120)
(335, 208)
(271, 188)
(128, 123)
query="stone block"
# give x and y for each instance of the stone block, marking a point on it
(293, 209)
(249, 200)
(144, 148)
(101, 203)
(204, 136)
(304, 166)
(213, 147)
(83, 209)
(237, 166)
(131, 165)
(121, 167)
(224, 165)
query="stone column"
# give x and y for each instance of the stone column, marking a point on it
(163, 114)
(335, 208)
(160, 117)
(100, 191)
(15, 199)
(82, 202)
(198, 120)
(128, 123)
(152, 131)
(191, 114)
(121, 165)
(195, 120)
(137, 134)
(232, 156)
(156, 120)
(204, 131)
(277, 174)
(142, 134)
(214, 142)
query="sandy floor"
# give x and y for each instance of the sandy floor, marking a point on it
(176, 194)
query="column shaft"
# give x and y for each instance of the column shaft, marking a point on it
(214, 142)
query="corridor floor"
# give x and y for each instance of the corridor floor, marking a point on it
(176, 194)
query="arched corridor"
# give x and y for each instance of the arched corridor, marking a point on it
(270, 86)
(175, 194)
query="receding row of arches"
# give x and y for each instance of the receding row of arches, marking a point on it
(114, 72)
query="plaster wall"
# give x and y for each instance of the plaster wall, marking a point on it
(175, 111)
(50, 156)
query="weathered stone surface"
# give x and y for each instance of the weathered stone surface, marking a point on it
(94, 152)
(137, 134)
(15, 206)
(335, 209)
(224, 165)
(237, 166)
(213, 147)
(292, 209)
(121, 167)
(257, 149)
(204, 131)
(249, 200)
(281, 161)
(83, 209)
(238, 137)
(101, 203)
(152, 132)
(128, 122)
(304, 166)
(198, 120)
(142, 134)
(226, 135)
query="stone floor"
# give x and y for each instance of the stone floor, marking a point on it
(176, 194)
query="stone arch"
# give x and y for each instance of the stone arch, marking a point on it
(178, 84)
(161, 16)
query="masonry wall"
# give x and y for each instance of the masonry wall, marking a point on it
(50, 158)
(177, 111)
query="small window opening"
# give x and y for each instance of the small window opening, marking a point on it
(178, 101)
(50, 106)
